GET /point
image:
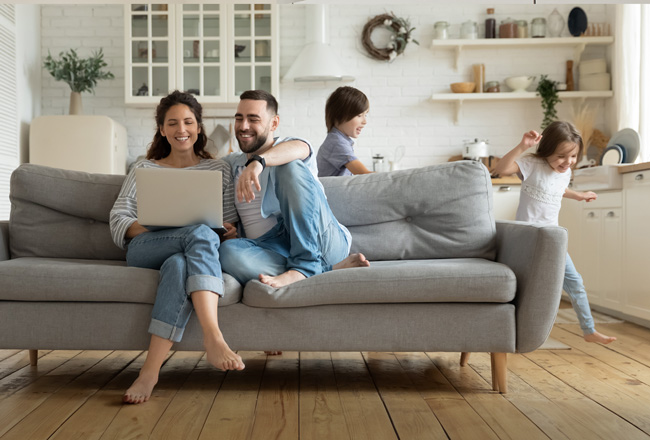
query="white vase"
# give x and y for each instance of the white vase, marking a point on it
(75, 103)
(555, 24)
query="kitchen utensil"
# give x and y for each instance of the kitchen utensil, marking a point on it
(397, 157)
(475, 149)
(519, 83)
(630, 140)
(612, 155)
(462, 87)
(479, 77)
(577, 21)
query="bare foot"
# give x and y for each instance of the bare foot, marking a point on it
(284, 279)
(141, 389)
(272, 353)
(599, 337)
(353, 260)
(220, 355)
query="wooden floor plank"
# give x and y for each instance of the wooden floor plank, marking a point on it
(138, 421)
(27, 374)
(276, 415)
(411, 416)
(46, 419)
(4, 354)
(321, 413)
(233, 411)
(364, 411)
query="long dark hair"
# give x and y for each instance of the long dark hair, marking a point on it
(160, 147)
(344, 104)
(557, 133)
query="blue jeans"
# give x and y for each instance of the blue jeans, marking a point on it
(188, 260)
(307, 237)
(575, 288)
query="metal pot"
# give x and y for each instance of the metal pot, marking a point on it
(475, 149)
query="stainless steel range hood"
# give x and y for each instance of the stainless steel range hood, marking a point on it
(316, 61)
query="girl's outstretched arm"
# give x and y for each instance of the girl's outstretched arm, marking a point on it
(588, 196)
(507, 164)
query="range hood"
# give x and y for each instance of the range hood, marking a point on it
(316, 61)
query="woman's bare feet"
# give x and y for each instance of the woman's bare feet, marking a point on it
(141, 389)
(220, 355)
(599, 337)
(353, 260)
(284, 279)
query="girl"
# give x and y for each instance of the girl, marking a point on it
(188, 258)
(545, 179)
(346, 113)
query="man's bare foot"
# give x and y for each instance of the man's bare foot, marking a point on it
(352, 260)
(272, 353)
(141, 389)
(220, 355)
(599, 337)
(284, 279)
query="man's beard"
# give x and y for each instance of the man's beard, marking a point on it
(261, 140)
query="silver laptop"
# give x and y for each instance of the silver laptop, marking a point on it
(169, 197)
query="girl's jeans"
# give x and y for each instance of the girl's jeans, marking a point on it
(188, 260)
(575, 288)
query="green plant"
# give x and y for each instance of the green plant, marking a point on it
(81, 74)
(547, 89)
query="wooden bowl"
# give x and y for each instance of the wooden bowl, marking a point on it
(462, 87)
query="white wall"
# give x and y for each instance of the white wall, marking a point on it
(401, 112)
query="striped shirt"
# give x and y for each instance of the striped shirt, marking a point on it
(125, 209)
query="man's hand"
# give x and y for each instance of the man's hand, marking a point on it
(248, 178)
(231, 231)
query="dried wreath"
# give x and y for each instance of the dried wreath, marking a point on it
(401, 29)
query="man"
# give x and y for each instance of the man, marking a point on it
(290, 232)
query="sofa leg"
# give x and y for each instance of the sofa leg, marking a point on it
(464, 358)
(499, 372)
(33, 357)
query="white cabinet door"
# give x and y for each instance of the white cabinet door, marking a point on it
(636, 264)
(570, 218)
(588, 265)
(611, 258)
(506, 200)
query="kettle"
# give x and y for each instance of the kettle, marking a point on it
(475, 149)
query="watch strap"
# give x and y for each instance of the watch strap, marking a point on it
(260, 159)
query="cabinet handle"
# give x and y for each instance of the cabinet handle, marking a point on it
(610, 214)
(504, 188)
(591, 214)
(638, 177)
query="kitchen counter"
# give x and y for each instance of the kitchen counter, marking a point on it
(507, 180)
(633, 167)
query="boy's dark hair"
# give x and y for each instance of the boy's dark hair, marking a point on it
(557, 133)
(262, 95)
(344, 104)
(160, 147)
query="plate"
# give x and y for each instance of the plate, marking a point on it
(612, 155)
(577, 22)
(629, 139)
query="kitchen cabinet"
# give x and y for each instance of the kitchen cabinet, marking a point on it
(506, 201)
(216, 51)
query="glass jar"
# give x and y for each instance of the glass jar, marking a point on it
(522, 29)
(490, 24)
(492, 87)
(440, 30)
(538, 27)
(469, 30)
(508, 28)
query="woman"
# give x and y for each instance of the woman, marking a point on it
(188, 258)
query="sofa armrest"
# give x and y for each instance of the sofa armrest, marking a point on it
(536, 254)
(4, 240)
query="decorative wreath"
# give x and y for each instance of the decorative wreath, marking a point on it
(401, 29)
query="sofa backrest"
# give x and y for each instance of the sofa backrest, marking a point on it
(440, 211)
(62, 214)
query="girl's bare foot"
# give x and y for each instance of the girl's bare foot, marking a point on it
(220, 355)
(141, 389)
(599, 337)
(284, 279)
(353, 260)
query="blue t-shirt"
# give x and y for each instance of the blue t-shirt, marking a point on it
(334, 154)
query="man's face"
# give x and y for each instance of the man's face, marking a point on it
(254, 126)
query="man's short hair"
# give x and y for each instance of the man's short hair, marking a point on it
(344, 104)
(262, 95)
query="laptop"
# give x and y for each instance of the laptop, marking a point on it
(168, 197)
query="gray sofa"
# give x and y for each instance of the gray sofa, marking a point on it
(444, 275)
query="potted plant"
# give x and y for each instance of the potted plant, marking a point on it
(547, 89)
(81, 74)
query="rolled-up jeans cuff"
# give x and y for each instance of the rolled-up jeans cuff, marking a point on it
(166, 331)
(204, 282)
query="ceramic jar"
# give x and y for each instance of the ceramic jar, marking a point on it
(555, 24)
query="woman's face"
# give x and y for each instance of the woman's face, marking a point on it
(564, 157)
(353, 127)
(180, 128)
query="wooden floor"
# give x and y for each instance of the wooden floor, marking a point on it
(587, 392)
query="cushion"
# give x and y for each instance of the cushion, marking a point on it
(60, 280)
(440, 211)
(456, 280)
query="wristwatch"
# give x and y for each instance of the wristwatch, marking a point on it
(260, 159)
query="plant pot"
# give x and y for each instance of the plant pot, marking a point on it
(75, 103)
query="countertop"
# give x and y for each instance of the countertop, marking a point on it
(633, 167)
(507, 180)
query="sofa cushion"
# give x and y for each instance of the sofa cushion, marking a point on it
(62, 213)
(60, 280)
(456, 280)
(440, 211)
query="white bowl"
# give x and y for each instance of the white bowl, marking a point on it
(519, 83)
